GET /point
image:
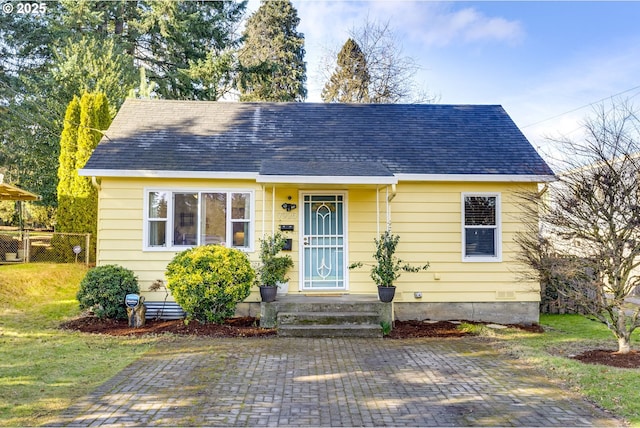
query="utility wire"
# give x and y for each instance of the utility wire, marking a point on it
(581, 107)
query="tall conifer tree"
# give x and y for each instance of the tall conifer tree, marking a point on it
(78, 208)
(67, 166)
(272, 58)
(349, 83)
(68, 46)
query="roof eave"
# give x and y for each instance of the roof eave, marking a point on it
(326, 179)
(136, 173)
(320, 179)
(483, 178)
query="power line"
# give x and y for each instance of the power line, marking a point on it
(581, 107)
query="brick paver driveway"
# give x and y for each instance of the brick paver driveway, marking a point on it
(330, 382)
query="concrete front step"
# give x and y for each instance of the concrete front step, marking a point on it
(331, 316)
(328, 318)
(335, 330)
(316, 305)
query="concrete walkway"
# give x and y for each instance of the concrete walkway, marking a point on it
(330, 382)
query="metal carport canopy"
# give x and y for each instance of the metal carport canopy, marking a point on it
(13, 193)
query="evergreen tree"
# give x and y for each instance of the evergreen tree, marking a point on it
(349, 83)
(67, 166)
(272, 66)
(146, 88)
(71, 46)
(390, 74)
(78, 207)
(93, 65)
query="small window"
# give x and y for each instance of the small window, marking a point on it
(481, 227)
(157, 215)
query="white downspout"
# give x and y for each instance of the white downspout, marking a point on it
(377, 210)
(273, 209)
(264, 203)
(94, 182)
(389, 199)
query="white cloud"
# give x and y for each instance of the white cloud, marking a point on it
(442, 24)
(419, 26)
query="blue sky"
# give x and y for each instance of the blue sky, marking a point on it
(539, 60)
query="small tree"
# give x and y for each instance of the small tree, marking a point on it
(273, 267)
(349, 83)
(588, 243)
(388, 267)
(390, 73)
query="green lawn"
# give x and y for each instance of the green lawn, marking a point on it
(42, 368)
(614, 389)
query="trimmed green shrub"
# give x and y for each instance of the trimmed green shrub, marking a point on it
(209, 281)
(104, 288)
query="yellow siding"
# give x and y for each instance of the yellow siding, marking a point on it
(427, 216)
(121, 216)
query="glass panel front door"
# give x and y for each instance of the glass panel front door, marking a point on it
(323, 242)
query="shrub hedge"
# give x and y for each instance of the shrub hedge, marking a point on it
(103, 290)
(209, 281)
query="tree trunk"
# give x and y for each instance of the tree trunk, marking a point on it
(624, 345)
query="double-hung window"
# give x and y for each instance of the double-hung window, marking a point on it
(178, 219)
(481, 227)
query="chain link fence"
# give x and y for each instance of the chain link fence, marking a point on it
(29, 246)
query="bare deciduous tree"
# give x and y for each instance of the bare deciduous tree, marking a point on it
(391, 74)
(587, 245)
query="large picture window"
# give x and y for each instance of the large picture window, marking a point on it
(481, 227)
(177, 219)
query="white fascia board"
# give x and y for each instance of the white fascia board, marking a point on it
(325, 179)
(483, 178)
(166, 174)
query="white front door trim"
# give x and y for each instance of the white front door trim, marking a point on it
(336, 244)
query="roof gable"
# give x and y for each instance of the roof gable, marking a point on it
(307, 139)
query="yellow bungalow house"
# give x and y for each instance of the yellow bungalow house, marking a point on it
(331, 177)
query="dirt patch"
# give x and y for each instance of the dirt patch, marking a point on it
(234, 327)
(414, 329)
(250, 327)
(244, 327)
(610, 358)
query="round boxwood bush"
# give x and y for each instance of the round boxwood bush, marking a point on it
(104, 288)
(209, 281)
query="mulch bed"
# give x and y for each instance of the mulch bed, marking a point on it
(249, 327)
(234, 327)
(610, 358)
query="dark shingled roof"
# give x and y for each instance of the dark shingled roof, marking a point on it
(308, 139)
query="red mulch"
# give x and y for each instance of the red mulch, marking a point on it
(610, 358)
(234, 327)
(249, 327)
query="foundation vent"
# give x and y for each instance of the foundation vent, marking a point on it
(505, 295)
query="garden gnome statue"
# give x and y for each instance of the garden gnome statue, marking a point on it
(136, 310)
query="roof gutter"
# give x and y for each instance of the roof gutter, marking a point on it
(137, 173)
(320, 179)
(324, 179)
(485, 178)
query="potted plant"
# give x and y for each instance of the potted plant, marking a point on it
(388, 266)
(273, 267)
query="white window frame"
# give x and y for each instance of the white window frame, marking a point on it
(170, 218)
(497, 227)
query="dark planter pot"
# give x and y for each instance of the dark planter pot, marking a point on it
(268, 294)
(386, 294)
